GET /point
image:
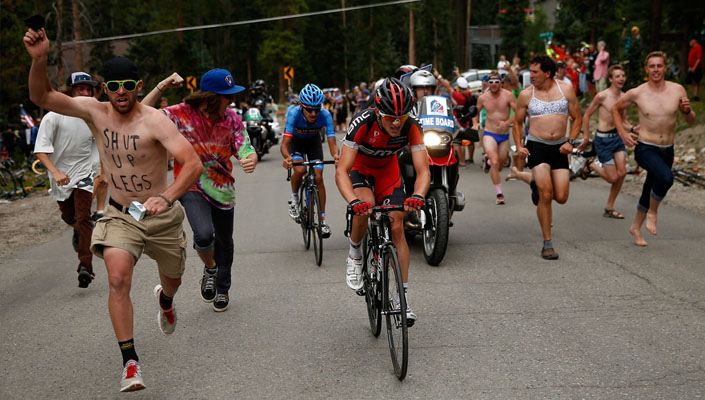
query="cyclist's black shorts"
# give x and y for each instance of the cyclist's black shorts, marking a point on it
(309, 147)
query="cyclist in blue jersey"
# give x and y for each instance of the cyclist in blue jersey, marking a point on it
(302, 138)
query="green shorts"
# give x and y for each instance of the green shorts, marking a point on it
(161, 237)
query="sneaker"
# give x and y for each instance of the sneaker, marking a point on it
(131, 377)
(221, 302)
(354, 273)
(500, 199)
(165, 318)
(534, 192)
(74, 240)
(84, 277)
(325, 231)
(293, 210)
(208, 285)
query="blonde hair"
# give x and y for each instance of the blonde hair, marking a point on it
(655, 54)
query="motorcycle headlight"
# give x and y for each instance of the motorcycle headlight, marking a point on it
(431, 138)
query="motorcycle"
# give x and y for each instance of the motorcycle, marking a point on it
(442, 199)
(256, 130)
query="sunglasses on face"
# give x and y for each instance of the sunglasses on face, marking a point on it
(394, 118)
(312, 110)
(114, 86)
(494, 82)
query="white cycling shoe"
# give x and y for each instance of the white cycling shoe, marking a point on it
(353, 275)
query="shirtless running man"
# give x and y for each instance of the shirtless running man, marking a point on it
(498, 103)
(658, 103)
(609, 146)
(549, 103)
(133, 141)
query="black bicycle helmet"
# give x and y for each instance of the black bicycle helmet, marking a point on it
(394, 98)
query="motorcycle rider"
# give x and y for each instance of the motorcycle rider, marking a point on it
(301, 138)
(260, 98)
(369, 173)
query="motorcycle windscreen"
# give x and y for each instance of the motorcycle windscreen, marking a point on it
(436, 113)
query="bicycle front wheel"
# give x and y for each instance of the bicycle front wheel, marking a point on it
(395, 313)
(371, 278)
(316, 223)
(303, 216)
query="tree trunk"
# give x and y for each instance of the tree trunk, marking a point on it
(412, 44)
(77, 34)
(59, 48)
(345, 50)
(466, 59)
(460, 33)
(372, 48)
(656, 25)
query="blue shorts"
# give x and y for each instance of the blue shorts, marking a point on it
(499, 138)
(607, 146)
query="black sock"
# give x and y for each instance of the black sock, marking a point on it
(165, 301)
(128, 351)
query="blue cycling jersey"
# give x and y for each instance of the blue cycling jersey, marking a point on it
(297, 126)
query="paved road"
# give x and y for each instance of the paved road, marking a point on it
(608, 320)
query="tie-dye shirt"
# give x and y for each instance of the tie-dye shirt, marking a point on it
(214, 143)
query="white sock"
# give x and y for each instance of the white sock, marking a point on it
(355, 250)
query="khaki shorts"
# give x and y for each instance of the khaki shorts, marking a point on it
(161, 237)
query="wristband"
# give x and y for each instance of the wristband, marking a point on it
(166, 199)
(631, 129)
(159, 89)
(690, 110)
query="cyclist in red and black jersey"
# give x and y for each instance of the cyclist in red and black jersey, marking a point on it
(368, 172)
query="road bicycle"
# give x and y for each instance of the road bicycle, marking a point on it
(309, 207)
(382, 284)
(11, 180)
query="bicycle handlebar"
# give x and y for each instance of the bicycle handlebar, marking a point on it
(307, 164)
(375, 209)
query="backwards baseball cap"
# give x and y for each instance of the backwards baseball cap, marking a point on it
(493, 76)
(80, 77)
(219, 81)
(120, 68)
(462, 83)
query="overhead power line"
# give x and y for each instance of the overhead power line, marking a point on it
(252, 21)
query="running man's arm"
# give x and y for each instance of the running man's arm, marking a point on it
(173, 81)
(576, 115)
(685, 108)
(176, 145)
(517, 129)
(618, 111)
(594, 106)
(40, 91)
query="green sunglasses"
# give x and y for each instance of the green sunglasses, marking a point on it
(114, 86)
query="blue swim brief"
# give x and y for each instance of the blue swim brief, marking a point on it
(499, 138)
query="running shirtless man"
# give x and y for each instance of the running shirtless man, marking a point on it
(549, 103)
(133, 141)
(498, 103)
(658, 103)
(609, 146)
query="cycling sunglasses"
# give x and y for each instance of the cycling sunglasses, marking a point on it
(114, 86)
(393, 118)
(312, 110)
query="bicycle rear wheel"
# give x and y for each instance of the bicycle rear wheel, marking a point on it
(395, 313)
(315, 206)
(373, 288)
(303, 216)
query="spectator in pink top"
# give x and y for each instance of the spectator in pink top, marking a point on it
(601, 63)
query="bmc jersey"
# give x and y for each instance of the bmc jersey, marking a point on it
(375, 147)
(297, 126)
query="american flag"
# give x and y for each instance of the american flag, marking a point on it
(26, 118)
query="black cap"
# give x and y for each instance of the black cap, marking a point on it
(120, 68)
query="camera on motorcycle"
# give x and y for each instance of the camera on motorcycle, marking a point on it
(465, 113)
(469, 134)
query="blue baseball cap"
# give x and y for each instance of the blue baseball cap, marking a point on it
(219, 81)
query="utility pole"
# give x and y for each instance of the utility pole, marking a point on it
(412, 45)
(77, 34)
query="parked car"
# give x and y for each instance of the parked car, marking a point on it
(474, 78)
